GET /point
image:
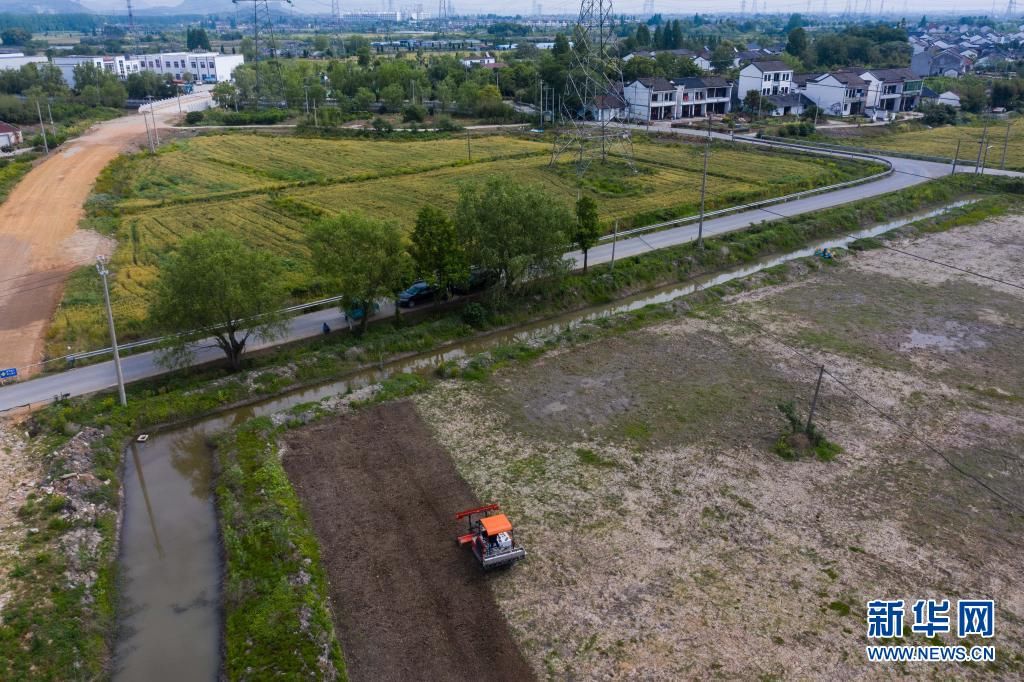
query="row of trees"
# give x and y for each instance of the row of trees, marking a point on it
(220, 285)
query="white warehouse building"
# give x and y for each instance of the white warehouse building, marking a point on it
(205, 67)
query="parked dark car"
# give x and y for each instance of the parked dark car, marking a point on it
(479, 279)
(419, 292)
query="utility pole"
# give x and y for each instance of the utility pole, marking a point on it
(178, 87)
(149, 136)
(1006, 143)
(306, 88)
(469, 147)
(814, 401)
(981, 147)
(615, 238)
(956, 157)
(101, 267)
(53, 128)
(703, 190)
(152, 113)
(46, 145)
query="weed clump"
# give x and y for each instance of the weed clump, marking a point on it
(803, 440)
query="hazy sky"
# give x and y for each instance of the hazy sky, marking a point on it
(914, 7)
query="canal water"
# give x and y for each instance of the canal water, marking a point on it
(170, 617)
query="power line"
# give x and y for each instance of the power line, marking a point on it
(953, 267)
(884, 414)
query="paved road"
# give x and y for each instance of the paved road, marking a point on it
(101, 376)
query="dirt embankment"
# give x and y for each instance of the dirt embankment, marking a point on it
(39, 239)
(408, 603)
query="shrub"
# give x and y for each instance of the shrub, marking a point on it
(446, 124)
(475, 315)
(414, 113)
(193, 117)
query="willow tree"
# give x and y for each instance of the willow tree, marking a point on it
(217, 287)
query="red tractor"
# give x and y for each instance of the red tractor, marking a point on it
(490, 536)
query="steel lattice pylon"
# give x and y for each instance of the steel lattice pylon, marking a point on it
(262, 23)
(594, 81)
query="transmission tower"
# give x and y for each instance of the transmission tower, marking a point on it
(1011, 8)
(336, 11)
(588, 87)
(442, 10)
(130, 38)
(262, 22)
(743, 8)
(649, 7)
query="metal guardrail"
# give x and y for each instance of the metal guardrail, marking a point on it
(157, 341)
(757, 204)
(868, 151)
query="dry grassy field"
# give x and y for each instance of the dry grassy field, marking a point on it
(942, 141)
(667, 539)
(269, 188)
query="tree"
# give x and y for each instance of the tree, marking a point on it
(754, 102)
(217, 286)
(393, 96)
(587, 228)
(436, 250)
(361, 258)
(196, 39)
(15, 36)
(796, 45)
(643, 35)
(722, 58)
(514, 230)
(561, 46)
(225, 94)
(795, 21)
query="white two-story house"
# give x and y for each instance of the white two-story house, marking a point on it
(770, 77)
(840, 93)
(650, 99)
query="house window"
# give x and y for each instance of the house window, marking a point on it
(785, 76)
(193, 65)
(767, 77)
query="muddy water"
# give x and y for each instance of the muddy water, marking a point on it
(170, 621)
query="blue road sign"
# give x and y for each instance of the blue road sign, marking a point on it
(8, 373)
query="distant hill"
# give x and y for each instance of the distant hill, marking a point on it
(43, 7)
(190, 7)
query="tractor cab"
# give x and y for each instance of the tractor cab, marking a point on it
(490, 536)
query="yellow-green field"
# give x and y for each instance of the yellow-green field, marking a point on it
(943, 141)
(268, 189)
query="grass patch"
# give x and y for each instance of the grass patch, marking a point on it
(12, 171)
(275, 593)
(839, 608)
(591, 458)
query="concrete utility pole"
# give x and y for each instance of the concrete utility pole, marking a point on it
(149, 136)
(101, 267)
(152, 113)
(956, 157)
(1006, 143)
(469, 147)
(615, 238)
(981, 147)
(53, 128)
(703, 190)
(814, 401)
(42, 127)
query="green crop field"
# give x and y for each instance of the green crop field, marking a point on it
(269, 188)
(943, 142)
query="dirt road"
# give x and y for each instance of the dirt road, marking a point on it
(408, 603)
(39, 241)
